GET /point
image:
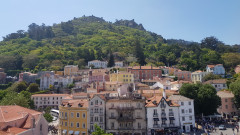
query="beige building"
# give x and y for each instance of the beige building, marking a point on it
(197, 76)
(17, 120)
(126, 116)
(71, 70)
(228, 108)
(112, 86)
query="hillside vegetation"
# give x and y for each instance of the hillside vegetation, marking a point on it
(87, 38)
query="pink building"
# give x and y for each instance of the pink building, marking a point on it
(183, 75)
(97, 77)
(237, 69)
(228, 108)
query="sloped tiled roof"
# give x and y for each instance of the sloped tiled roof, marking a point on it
(217, 81)
(145, 67)
(225, 94)
(179, 98)
(49, 95)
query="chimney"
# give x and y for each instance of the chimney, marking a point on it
(164, 93)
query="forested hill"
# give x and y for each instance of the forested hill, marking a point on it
(87, 38)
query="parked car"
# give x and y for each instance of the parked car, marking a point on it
(222, 127)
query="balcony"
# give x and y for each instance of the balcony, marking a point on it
(163, 114)
(171, 125)
(125, 108)
(125, 119)
(138, 117)
(156, 126)
(112, 117)
(125, 128)
(171, 114)
(101, 113)
(164, 125)
(155, 114)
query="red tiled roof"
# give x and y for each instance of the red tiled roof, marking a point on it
(145, 67)
(49, 95)
(15, 130)
(217, 81)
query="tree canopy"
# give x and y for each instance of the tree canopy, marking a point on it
(205, 97)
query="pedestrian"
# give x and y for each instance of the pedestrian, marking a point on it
(233, 129)
(221, 133)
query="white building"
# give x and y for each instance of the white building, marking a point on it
(98, 64)
(197, 76)
(46, 79)
(162, 115)
(45, 100)
(216, 69)
(96, 112)
(186, 112)
(218, 84)
(118, 64)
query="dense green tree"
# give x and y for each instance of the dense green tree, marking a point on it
(235, 88)
(33, 87)
(139, 53)
(211, 76)
(202, 95)
(231, 60)
(30, 61)
(210, 42)
(48, 117)
(13, 98)
(99, 131)
(111, 62)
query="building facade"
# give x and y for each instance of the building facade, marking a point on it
(186, 112)
(98, 64)
(227, 108)
(197, 76)
(216, 69)
(218, 84)
(96, 112)
(145, 72)
(124, 77)
(118, 64)
(183, 75)
(73, 117)
(162, 116)
(126, 116)
(48, 100)
(71, 70)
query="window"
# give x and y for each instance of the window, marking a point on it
(83, 115)
(190, 117)
(77, 115)
(77, 125)
(126, 75)
(112, 125)
(139, 125)
(101, 119)
(215, 86)
(71, 124)
(190, 110)
(226, 106)
(65, 123)
(101, 103)
(182, 110)
(171, 122)
(83, 125)
(91, 119)
(123, 75)
(71, 114)
(183, 118)
(96, 102)
(96, 119)
(155, 112)
(91, 103)
(224, 85)
(226, 100)
(189, 103)
(163, 122)
(41, 127)
(112, 114)
(65, 114)
(182, 103)
(170, 110)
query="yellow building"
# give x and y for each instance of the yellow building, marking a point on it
(125, 77)
(70, 70)
(73, 117)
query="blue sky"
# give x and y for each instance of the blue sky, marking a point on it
(190, 20)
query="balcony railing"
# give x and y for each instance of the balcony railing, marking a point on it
(125, 128)
(155, 114)
(125, 108)
(138, 117)
(112, 117)
(156, 126)
(171, 114)
(163, 114)
(125, 119)
(164, 125)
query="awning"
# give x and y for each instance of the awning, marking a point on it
(171, 118)
(156, 119)
(70, 132)
(64, 131)
(164, 118)
(76, 133)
